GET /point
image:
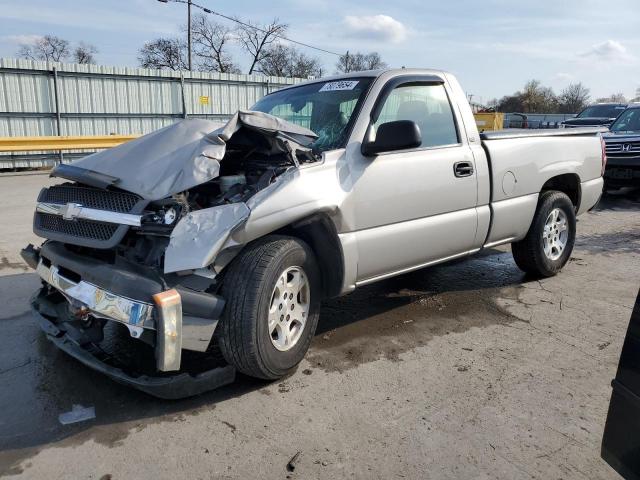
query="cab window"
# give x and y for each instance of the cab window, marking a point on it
(428, 106)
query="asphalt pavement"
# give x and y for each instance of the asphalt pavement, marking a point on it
(465, 370)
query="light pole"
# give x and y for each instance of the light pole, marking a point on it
(188, 2)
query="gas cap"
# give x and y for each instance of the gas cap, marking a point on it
(509, 183)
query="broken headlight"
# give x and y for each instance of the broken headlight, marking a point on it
(166, 215)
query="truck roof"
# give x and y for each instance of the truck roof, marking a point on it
(373, 74)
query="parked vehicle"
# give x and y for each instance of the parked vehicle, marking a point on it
(598, 115)
(621, 439)
(518, 120)
(196, 237)
(623, 150)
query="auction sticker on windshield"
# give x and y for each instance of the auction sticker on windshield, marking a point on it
(342, 85)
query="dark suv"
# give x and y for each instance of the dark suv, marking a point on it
(600, 114)
(623, 150)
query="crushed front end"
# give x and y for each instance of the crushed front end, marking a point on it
(103, 266)
(135, 255)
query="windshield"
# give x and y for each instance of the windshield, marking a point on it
(629, 121)
(326, 108)
(602, 111)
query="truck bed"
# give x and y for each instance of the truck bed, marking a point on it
(522, 161)
(523, 132)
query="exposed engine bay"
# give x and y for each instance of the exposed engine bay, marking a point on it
(160, 181)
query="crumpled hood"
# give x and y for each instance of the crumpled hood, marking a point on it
(182, 155)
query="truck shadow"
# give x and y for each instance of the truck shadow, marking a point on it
(621, 241)
(611, 243)
(623, 199)
(379, 321)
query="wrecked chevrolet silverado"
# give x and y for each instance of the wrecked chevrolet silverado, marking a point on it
(200, 239)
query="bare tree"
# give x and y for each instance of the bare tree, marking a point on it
(255, 39)
(573, 98)
(537, 98)
(287, 61)
(211, 40)
(48, 48)
(510, 103)
(84, 53)
(355, 62)
(164, 53)
(534, 98)
(614, 98)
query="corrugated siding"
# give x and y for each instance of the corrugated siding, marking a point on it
(101, 100)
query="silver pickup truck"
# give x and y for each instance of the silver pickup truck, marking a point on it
(201, 239)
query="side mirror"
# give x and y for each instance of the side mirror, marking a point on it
(397, 135)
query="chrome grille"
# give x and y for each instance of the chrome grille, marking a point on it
(623, 148)
(79, 231)
(121, 202)
(75, 228)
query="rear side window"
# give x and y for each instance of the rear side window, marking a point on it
(428, 106)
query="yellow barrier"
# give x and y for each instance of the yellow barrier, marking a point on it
(27, 144)
(489, 121)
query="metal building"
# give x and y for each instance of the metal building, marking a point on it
(45, 98)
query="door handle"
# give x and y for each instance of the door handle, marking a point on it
(463, 169)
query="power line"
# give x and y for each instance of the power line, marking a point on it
(247, 25)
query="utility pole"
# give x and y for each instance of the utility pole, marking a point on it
(188, 2)
(189, 31)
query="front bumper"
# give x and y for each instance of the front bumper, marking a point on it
(166, 386)
(622, 171)
(156, 311)
(99, 302)
(622, 175)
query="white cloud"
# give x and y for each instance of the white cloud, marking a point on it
(609, 51)
(22, 39)
(376, 27)
(564, 77)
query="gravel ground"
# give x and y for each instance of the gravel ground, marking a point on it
(468, 370)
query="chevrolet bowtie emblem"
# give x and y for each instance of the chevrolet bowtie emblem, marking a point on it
(71, 211)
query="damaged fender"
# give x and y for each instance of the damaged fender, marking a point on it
(216, 235)
(200, 235)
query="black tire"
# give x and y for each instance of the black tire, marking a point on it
(247, 287)
(529, 253)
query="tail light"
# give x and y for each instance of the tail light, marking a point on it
(604, 155)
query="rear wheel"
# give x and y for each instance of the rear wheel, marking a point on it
(272, 291)
(549, 241)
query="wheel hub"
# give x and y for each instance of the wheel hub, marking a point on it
(555, 234)
(289, 308)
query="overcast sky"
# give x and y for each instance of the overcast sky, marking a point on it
(493, 46)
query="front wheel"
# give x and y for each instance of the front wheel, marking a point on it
(272, 291)
(549, 241)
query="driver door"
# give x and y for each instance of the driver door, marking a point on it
(415, 207)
